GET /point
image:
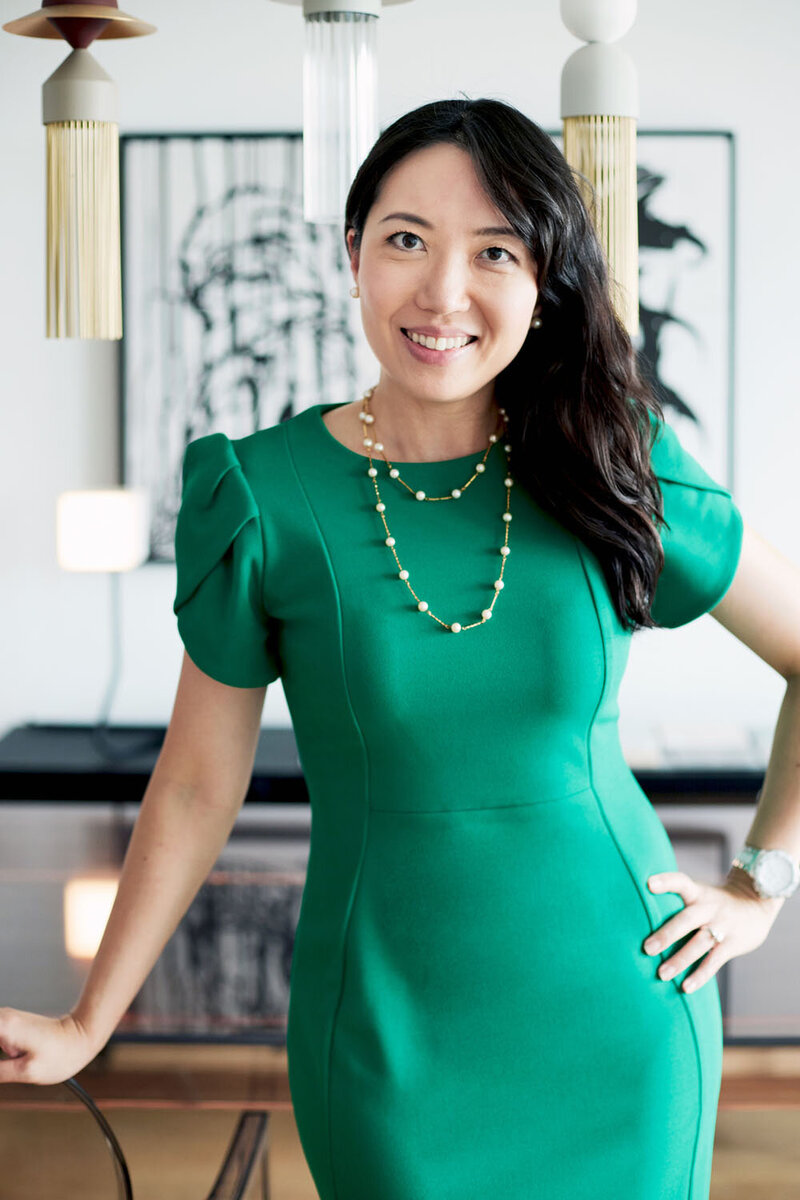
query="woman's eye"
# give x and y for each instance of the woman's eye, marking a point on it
(403, 233)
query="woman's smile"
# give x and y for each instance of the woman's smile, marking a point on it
(426, 355)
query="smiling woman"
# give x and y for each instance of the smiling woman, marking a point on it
(476, 227)
(472, 1011)
(419, 292)
(447, 576)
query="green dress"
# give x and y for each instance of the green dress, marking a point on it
(472, 1015)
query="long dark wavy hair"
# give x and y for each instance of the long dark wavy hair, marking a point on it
(582, 416)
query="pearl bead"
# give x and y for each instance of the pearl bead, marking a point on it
(369, 418)
(507, 447)
(508, 481)
(362, 416)
(486, 614)
(480, 466)
(456, 628)
(394, 472)
(380, 507)
(373, 471)
(492, 437)
(390, 541)
(498, 585)
(367, 441)
(506, 516)
(456, 492)
(501, 410)
(404, 574)
(379, 445)
(420, 495)
(504, 550)
(423, 606)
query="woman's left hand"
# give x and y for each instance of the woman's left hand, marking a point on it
(734, 910)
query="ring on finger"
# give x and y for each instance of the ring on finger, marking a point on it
(716, 936)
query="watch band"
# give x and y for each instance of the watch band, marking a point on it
(746, 857)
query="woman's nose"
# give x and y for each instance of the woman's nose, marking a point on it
(444, 288)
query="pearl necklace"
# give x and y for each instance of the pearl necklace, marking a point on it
(368, 418)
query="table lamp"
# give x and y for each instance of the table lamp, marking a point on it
(105, 530)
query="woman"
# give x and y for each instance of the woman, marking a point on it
(474, 1011)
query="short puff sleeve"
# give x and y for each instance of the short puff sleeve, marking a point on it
(702, 540)
(219, 555)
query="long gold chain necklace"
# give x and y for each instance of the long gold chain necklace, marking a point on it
(368, 419)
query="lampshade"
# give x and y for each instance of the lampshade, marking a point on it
(340, 99)
(87, 906)
(79, 111)
(102, 529)
(600, 109)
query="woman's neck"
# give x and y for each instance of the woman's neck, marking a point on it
(414, 431)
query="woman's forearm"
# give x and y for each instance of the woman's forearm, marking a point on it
(777, 819)
(175, 841)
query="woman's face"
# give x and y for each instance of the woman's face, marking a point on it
(432, 267)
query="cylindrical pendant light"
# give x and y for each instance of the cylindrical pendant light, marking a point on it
(79, 111)
(340, 99)
(600, 109)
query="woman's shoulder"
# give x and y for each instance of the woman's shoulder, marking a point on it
(266, 453)
(672, 462)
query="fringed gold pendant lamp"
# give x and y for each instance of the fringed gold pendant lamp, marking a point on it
(79, 111)
(600, 109)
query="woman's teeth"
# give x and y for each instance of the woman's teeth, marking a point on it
(437, 343)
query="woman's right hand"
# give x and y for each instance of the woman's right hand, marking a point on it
(42, 1049)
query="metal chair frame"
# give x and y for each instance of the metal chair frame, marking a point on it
(248, 1147)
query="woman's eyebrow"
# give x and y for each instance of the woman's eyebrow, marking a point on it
(487, 231)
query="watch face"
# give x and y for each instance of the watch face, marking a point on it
(774, 871)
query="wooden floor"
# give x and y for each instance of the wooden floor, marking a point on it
(174, 1154)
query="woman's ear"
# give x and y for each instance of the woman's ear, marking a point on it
(354, 255)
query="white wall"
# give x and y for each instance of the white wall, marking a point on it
(721, 64)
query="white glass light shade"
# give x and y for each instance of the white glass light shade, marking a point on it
(340, 108)
(102, 529)
(340, 99)
(87, 905)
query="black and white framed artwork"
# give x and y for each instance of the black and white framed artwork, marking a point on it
(237, 312)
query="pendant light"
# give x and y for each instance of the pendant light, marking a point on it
(340, 99)
(79, 111)
(600, 109)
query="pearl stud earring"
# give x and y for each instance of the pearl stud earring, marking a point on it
(354, 291)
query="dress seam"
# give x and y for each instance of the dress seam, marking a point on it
(356, 881)
(682, 995)
(438, 812)
(257, 517)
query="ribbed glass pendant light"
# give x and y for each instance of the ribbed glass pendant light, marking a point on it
(340, 99)
(79, 111)
(600, 109)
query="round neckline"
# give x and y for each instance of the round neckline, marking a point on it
(319, 409)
